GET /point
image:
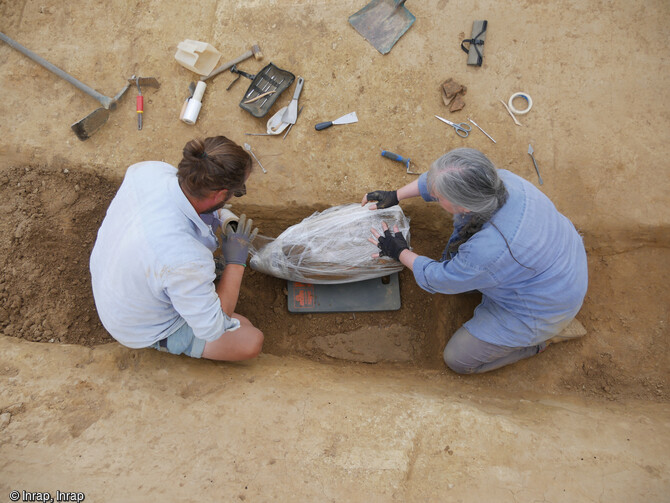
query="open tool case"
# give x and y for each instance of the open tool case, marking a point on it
(268, 79)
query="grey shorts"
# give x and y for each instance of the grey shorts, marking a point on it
(182, 342)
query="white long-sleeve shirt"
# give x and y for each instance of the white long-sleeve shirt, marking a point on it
(152, 268)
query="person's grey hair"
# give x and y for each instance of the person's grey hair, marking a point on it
(467, 178)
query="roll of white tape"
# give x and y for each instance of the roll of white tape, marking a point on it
(199, 91)
(526, 97)
(192, 111)
(227, 217)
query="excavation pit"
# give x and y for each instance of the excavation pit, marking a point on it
(50, 225)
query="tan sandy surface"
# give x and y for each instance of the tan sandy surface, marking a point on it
(307, 421)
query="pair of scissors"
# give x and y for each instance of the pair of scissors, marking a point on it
(462, 129)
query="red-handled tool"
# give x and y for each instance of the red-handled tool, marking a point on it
(142, 81)
(140, 105)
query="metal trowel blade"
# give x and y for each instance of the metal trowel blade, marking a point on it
(347, 119)
(90, 124)
(145, 81)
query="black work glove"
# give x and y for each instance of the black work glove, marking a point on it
(392, 244)
(384, 198)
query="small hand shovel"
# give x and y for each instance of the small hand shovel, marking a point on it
(382, 23)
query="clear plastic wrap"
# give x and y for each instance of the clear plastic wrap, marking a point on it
(330, 247)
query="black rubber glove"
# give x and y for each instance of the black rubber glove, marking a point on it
(384, 198)
(392, 245)
(235, 242)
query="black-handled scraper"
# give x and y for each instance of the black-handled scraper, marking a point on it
(345, 119)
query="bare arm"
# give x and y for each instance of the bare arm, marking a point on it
(407, 257)
(228, 288)
(409, 190)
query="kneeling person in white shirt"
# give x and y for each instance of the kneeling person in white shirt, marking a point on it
(152, 266)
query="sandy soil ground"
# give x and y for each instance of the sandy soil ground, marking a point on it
(584, 421)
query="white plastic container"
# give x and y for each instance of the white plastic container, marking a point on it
(199, 57)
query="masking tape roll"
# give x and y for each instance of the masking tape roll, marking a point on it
(526, 97)
(226, 216)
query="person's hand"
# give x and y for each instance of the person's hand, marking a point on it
(235, 243)
(390, 244)
(384, 198)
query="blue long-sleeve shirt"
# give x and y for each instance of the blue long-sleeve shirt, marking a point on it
(521, 306)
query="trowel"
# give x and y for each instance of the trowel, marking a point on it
(291, 114)
(345, 119)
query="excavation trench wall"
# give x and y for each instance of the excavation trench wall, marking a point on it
(50, 225)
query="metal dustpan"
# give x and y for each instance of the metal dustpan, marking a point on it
(382, 22)
(265, 88)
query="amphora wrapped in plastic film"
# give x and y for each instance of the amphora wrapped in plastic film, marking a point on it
(330, 247)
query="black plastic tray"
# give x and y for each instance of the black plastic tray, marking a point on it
(268, 79)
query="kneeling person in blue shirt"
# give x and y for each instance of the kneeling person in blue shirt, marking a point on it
(152, 266)
(510, 243)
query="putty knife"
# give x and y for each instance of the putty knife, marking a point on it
(345, 119)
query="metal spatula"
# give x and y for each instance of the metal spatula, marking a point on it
(345, 119)
(291, 114)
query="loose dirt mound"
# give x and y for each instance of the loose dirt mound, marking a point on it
(50, 225)
(48, 230)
